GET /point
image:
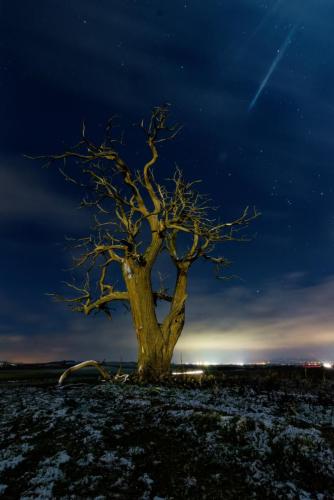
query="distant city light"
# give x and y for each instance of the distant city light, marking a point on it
(204, 363)
(313, 364)
(326, 364)
(240, 363)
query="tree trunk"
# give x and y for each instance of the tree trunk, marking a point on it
(155, 346)
(153, 361)
(174, 321)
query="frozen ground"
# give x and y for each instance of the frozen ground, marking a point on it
(132, 442)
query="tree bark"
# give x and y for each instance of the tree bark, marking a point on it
(173, 324)
(155, 350)
(156, 341)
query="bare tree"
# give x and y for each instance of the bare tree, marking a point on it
(128, 205)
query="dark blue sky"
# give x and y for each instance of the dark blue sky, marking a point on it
(64, 62)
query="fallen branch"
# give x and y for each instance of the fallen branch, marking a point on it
(104, 373)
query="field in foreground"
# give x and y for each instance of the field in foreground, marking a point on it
(133, 442)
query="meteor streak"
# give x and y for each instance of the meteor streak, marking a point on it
(280, 53)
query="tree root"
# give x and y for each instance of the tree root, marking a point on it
(104, 373)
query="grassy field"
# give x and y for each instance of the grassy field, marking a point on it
(245, 375)
(47, 375)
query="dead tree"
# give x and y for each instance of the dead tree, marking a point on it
(128, 205)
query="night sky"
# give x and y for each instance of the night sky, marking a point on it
(253, 83)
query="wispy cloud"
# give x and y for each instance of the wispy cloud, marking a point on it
(289, 318)
(25, 197)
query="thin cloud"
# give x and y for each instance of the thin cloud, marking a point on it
(291, 316)
(285, 319)
(24, 197)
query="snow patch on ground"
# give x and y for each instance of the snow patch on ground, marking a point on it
(127, 442)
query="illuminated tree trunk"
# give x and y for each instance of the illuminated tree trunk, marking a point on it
(156, 342)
